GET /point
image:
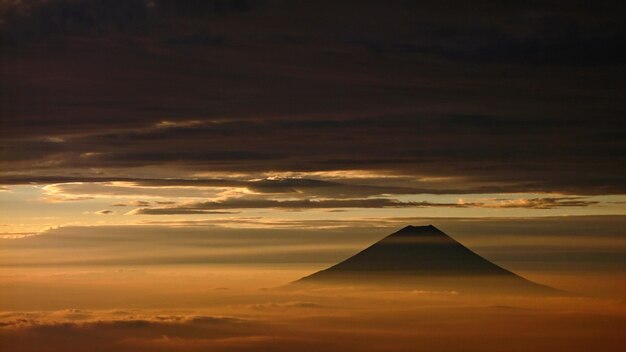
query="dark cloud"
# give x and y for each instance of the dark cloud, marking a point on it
(25, 179)
(38, 20)
(515, 97)
(320, 188)
(165, 202)
(543, 203)
(198, 38)
(200, 208)
(495, 154)
(295, 186)
(247, 203)
(551, 41)
(176, 211)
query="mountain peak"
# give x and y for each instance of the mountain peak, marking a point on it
(417, 254)
(424, 236)
(418, 229)
(423, 227)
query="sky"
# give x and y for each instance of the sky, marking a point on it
(269, 139)
(128, 112)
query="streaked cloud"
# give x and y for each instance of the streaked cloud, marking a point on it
(541, 203)
(243, 203)
(563, 243)
(254, 203)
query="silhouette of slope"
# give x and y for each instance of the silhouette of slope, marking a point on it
(423, 257)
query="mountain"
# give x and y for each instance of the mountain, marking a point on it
(423, 257)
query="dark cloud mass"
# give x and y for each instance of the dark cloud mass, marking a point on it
(515, 97)
(209, 207)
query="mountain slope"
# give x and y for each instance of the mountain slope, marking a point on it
(423, 257)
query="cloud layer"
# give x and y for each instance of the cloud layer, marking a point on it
(516, 97)
(572, 243)
(367, 322)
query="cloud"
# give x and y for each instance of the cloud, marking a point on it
(542, 203)
(323, 188)
(71, 191)
(568, 243)
(424, 146)
(239, 203)
(493, 226)
(104, 212)
(122, 332)
(304, 184)
(401, 89)
(363, 320)
(247, 203)
(175, 211)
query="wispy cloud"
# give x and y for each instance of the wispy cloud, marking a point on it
(255, 203)
(540, 203)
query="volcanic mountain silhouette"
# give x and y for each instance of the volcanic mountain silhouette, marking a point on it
(423, 257)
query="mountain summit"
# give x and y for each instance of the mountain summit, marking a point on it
(423, 257)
